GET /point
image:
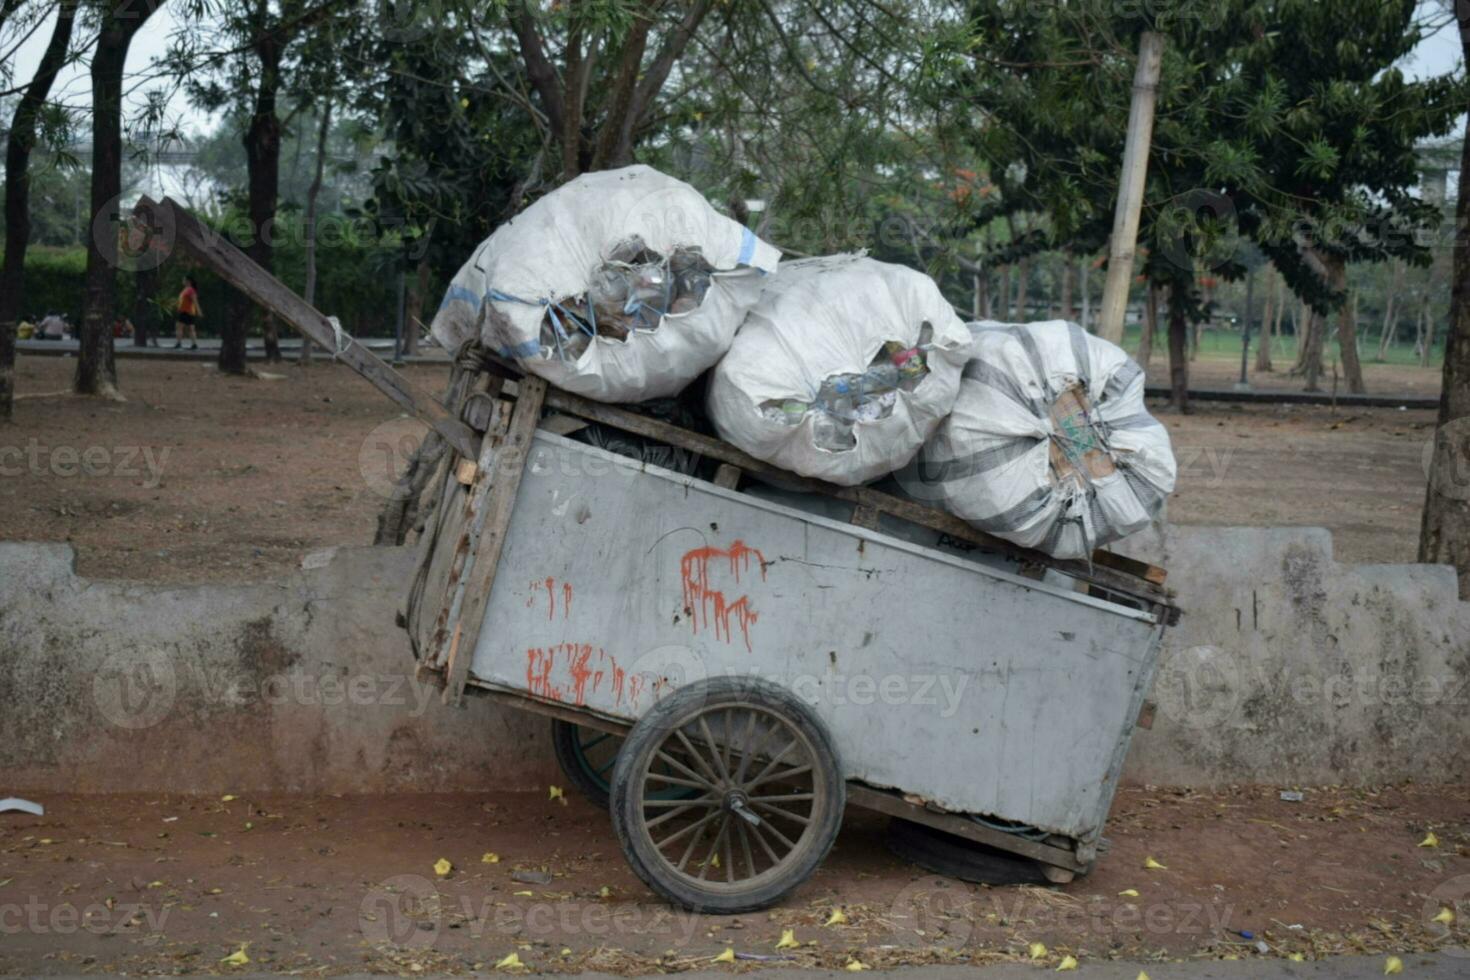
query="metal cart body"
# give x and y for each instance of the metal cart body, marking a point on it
(969, 687)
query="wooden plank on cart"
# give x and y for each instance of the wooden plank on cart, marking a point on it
(727, 476)
(962, 826)
(449, 596)
(233, 266)
(508, 466)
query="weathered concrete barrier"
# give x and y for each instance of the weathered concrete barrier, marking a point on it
(1287, 668)
(303, 684)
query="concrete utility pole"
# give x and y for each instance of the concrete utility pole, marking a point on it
(1130, 189)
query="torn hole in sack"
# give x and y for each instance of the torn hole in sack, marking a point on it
(632, 291)
(843, 400)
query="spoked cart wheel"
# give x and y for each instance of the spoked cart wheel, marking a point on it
(763, 803)
(587, 757)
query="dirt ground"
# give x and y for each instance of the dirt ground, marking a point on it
(152, 884)
(198, 477)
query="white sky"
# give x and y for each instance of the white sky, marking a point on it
(1435, 55)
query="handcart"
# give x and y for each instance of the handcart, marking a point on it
(768, 649)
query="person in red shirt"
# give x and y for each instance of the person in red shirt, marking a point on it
(188, 314)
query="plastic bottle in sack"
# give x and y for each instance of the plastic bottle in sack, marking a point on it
(788, 412)
(883, 376)
(831, 433)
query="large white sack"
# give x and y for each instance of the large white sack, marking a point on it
(551, 252)
(992, 461)
(822, 318)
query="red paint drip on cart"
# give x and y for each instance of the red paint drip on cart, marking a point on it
(573, 672)
(549, 584)
(709, 607)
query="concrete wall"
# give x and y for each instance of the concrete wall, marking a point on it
(1287, 668)
(302, 684)
(1291, 668)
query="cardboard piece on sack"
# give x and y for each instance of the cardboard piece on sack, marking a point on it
(825, 317)
(551, 251)
(1050, 444)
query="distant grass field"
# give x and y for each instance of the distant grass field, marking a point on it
(1218, 343)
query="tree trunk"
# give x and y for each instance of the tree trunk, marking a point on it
(1390, 313)
(1428, 338)
(1444, 535)
(1263, 342)
(1005, 294)
(1150, 325)
(96, 371)
(418, 291)
(1023, 274)
(312, 193)
(1347, 326)
(18, 195)
(262, 141)
(1178, 356)
(1312, 350)
(1086, 295)
(145, 284)
(1067, 268)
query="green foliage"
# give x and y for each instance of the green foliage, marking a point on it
(54, 278)
(357, 278)
(1283, 122)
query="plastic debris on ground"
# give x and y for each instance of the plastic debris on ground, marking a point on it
(841, 370)
(1050, 444)
(621, 285)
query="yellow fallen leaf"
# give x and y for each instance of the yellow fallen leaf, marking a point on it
(1141, 976)
(566, 951)
(714, 861)
(1067, 963)
(227, 798)
(1445, 916)
(1129, 893)
(728, 956)
(215, 891)
(523, 894)
(1037, 950)
(237, 958)
(1152, 865)
(155, 884)
(1297, 957)
(855, 966)
(46, 840)
(604, 892)
(511, 962)
(1429, 840)
(442, 867)
(490, 857)
(555, 793)
(837, 918)
(788, 939)
(1393, 965)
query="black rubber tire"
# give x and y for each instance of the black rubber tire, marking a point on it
(955, 857)
(648, 735)
(566, 742)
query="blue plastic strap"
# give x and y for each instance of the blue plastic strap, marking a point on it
(747, 246)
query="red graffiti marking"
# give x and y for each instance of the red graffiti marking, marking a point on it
(568, 672)
(711, 605)
(549, 584)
